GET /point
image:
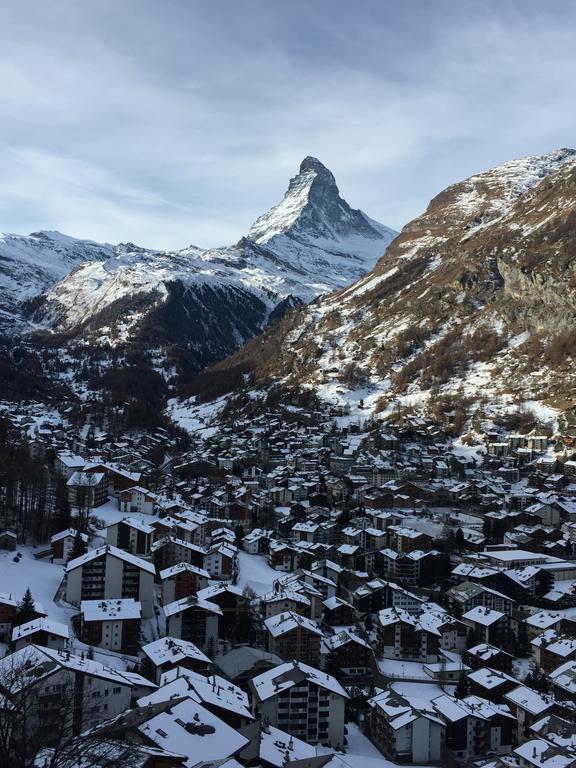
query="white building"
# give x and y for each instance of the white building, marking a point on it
(108, 572)
(302, 701)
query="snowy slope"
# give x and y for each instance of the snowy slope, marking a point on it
(29, 265)
(475, 297)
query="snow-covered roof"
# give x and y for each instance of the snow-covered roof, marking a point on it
(214, 691)
(108, 549)
(69, 532)
(190, 729)
(172, 650)
(105, 610)
(287, 621)
(174, 570)
(277, 747)
(190, 602)
(527, 698)
(40, 625)
(287, 675)
(483, 615)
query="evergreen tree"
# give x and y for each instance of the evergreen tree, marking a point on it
(62, 505)
(463, 686)
(332, 665)
(522, 641)
(474, 637)
(537, 679)
(26, 609)
(78, 548)
(460, 540)
(239, 534)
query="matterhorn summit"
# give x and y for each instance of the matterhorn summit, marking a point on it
(313, 214)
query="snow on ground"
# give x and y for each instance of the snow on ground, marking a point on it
(195, 419)
(41, 576)
(361, 753)
(402, 670)
(256, 573)
(108, 514)
(44, 579)
(520, 668)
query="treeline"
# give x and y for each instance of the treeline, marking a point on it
(32, 503)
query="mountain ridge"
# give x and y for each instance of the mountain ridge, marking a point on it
(452, 309)
(209, 301)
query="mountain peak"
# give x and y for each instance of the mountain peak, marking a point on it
(312, 210)
(313, 164)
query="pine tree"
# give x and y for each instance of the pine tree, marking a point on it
(26, 609)
(332, 665)
(463, 687)
(78, 548)
(522, 641)
(537, 679)
(62, 505)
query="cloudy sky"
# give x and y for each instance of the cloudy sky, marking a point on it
(170, 122)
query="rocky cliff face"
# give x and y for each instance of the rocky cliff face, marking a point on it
(475, 299)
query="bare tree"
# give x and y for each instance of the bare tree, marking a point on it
(43, 708)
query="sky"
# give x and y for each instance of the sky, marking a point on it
(175, 122)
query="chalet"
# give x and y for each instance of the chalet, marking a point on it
(486, 655)
(185, 726)
(528, 706)
(111, 624)
(117, 479)
(221, 561)
(8, 540)
(171, 551)
(233, 604)
(51, 673)
(563, 680)
(136, 499)
(352, 654)
(182, 580)
(62, 544)
(491, 684)
(43, 632)
(475, 726)
(270, 747)
(219, 696)
(338, 612)
(292, 636)
(489, 625)
(87, 490)
(132, 535)
(8, 609)
(550, 650)
(170, 653)
(404, 734)
(65, 464)
(194, 620)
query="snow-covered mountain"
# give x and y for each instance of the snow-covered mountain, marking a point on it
(30, 265)
(211, 300)
(472, 307)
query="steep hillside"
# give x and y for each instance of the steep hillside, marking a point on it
(212, 301)
(473, 306)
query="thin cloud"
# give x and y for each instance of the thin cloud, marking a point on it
(181, 122)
